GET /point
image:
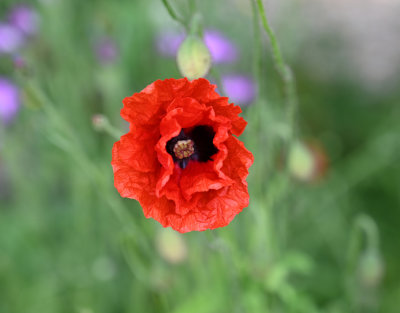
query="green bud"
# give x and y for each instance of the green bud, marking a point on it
(194, 59)
(171, 246)
(371, 269)
(301, 162)
(99, 122)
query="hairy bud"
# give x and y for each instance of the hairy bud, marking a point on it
(193, 58)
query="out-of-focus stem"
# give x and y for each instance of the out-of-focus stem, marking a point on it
(365, 233)
(102, 124)
(172, 13)
(364, 268)
(283, 69)
(215, 73)
(257, 46)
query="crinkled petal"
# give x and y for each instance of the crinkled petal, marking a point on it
(238, 161)
(201, 177)
(204, 195)
(131, 152)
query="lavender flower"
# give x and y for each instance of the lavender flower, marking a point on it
(11, 38)
(9, 100)
(167, 43)
(240, 89)
(221, 48)
(24, 18)
(19, 61)
(106, 50)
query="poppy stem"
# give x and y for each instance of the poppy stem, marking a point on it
(283, 69)
(102, 124)
(173, 15)
(365, 235)
(196, 25)
(363, 247)
(257, 61)
(215, 73)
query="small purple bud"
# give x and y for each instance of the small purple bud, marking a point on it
(9, 100)
(25, 19)
(106, 50)
(19, 61)
(11, 38)
(240, 89)
(222, 50)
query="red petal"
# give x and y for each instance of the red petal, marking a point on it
(203, 195)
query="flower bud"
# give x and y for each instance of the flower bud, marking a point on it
(308, 161)
(24, 18)
(301, 163)
(194, 59)
(99, 122)
(9, 101)
(103, 268)
(371, 269)
(106, 50)
(171, 246)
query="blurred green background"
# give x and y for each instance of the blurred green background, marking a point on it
(323, 239)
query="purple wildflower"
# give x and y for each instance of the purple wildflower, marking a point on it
(106, 50)
(240, 89)
(221, 48)
(167, 43)
(19, 61)
(9, 100)
(11, 38)
(24, 18)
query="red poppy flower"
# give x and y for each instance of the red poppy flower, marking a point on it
(180, 159)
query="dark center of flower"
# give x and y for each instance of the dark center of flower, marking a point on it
(194, 143)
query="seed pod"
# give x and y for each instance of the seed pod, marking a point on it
(193, 58)
(171, 246)
(308, 161)
(371, 269)
(301, 163)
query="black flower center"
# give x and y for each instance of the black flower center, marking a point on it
(194, 143)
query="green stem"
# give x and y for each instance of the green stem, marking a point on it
(196, 25)
(257, 62)
(172, 13)
(365, 227)
(283, 69)
(215, 73)
(111, 130)
(192, 6)
(65, 138)
(364, 236)
(364, 240)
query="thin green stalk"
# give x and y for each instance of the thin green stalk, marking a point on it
(365, 236)
(215, 73)
(192, 7)
(102, 124)
(283, 70)
(113, 131)
(64, 137)
(257, 62)
(364, 245)
(172, 13)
